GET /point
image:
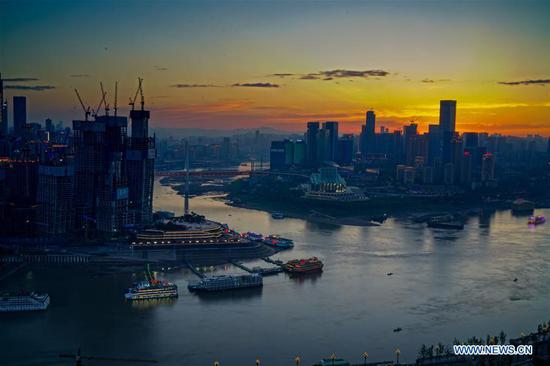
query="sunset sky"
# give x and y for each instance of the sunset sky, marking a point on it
(232, 64)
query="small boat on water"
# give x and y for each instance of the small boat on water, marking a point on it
(23, 301)
(303, 265)
(536, 220)
(278, 242)
(277, 215)
(522, 206)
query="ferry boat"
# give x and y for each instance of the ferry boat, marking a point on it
(278, 242)
(277, 215)
(536, 220)
(226, 282)
(23, 301)
(303, 265)
(188, 231)
(151, 288)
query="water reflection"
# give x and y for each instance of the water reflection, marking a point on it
(238, 295)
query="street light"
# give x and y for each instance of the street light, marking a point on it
(333, 358)
(257, 362)
(216, 363)
(365, 356)
(397, 353)
(297, 360)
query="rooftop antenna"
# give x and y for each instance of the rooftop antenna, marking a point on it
(186, 203)
(133, 100)
(115, 107)
(86, 110)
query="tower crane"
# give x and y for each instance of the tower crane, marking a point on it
(139, 90)
(86, 110)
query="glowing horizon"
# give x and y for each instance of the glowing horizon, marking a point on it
(227, 65)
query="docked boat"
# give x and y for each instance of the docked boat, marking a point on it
(226, 282)
(23, 301)
(189, 231)
(278, 242)
(536, 220)
(277, 215)
(303, 265)
(254, 236)
(151, 288)
(522, 206)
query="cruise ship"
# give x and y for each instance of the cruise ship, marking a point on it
(226, 282)
(24, 301)
(151, 288)
(303, 265)
(188, 231)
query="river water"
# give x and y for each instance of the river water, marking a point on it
(445, 284)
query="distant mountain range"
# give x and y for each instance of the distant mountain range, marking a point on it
(186, 132)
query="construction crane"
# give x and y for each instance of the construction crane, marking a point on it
(86, 110)
(139, 90)
(116, 95)
(77, 357)
(104, 99)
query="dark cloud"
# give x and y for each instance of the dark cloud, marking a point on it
(160, 68)
(20, 80)
(309, 77)
(526, 82)
(281, 75)
(30, 87)
(257, 85)
(195, 86)
(328, 75)
(432, 81)
(340, 73)
(80, 76)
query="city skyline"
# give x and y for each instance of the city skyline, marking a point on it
(279, 64)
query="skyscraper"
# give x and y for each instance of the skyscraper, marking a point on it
(141, 156)
(368, 135)
(19, 114)
(3, 110)
(332, 137)
(447, 122)
(312, 135)
(447, 115)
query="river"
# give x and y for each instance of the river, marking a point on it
(445, 284)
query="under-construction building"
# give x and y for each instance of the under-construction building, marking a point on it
(141, 169)
(101, 179)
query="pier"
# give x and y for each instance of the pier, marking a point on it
(194, 270)
(46, 259)
(262, 271)
(275, 262)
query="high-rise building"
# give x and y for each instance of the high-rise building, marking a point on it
(101, 180)
(3, 110)
(19, 114)
(277, 155)
(312, 136)
(345, 150)
(447, 127)
(141, 157)
(331, 128)
(299, 152)
(409, 137)
(55, 195)
(488, 167)
(368, 135)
